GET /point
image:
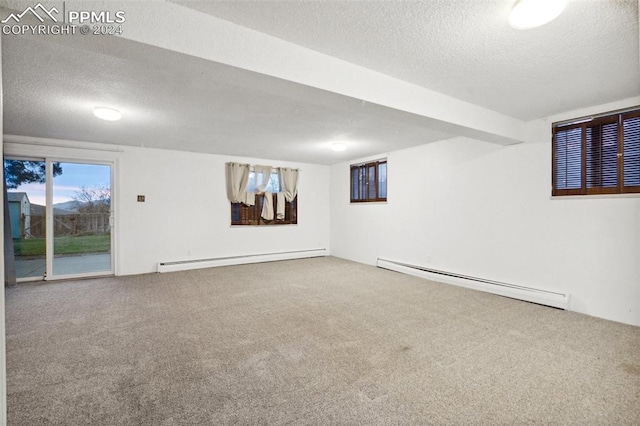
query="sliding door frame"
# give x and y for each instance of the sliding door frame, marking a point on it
(43, 160)
(50, 276)
(48, 182)
(30, 153)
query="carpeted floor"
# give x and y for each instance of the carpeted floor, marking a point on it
(316, 341)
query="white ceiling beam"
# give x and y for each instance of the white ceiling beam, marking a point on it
(174, 27)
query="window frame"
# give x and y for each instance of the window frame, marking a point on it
(363, 172)
(583, 124)
(631, 189)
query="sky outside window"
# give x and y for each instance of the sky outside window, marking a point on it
(66, 185)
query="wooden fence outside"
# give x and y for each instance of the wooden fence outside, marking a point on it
(69, 225)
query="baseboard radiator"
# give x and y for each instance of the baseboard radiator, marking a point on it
(535, 295)
(184, 265)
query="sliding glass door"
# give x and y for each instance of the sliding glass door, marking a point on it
(26, 196)
(81, 219)
(61, 218)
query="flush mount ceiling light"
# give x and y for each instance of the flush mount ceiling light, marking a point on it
(534, 13)
(108, 114)
(339, 146)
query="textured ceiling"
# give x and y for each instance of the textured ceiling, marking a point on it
(465, 48)
(175, 101)
(462, 48)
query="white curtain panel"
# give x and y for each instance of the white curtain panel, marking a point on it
(263, 174)
(280, 210)
(250, 199)
(288, 182)
(237, 176)
(267, 206)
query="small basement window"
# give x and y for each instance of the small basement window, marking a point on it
(262, 195)
(369, 182)
(597, 155)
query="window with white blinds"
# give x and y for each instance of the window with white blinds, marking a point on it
(597, 155)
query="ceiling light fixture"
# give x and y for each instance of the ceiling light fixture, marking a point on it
(108, 114)
(339, 146)
(528, 14)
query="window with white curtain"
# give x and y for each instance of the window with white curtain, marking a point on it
(269, 196)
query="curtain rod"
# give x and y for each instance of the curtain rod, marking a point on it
(252, 166)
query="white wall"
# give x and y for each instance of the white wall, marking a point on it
(186, 214)
(484, 210)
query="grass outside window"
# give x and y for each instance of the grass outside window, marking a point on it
(64, 245)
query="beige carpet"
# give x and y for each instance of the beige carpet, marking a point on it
(317, 341)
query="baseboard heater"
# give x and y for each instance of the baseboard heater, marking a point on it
(535, 295)
(184, 265)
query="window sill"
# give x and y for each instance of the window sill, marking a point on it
(594, 196)
(263, 226)
(366, 202)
